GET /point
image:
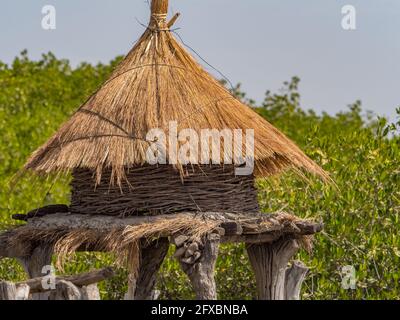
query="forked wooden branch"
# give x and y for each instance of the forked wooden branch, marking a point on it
(79, 280)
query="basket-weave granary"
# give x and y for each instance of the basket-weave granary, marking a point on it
(104, 143)
(125, 203)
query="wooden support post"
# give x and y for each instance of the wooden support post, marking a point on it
(23, 292)
(151, 257)
(295, 276)
(9, 291)
(90, 292)
(269, 262)
(33, 265)
(198, 262)
(40, 257)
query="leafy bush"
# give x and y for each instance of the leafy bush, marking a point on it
(361, 215)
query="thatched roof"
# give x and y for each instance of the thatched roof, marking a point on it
(158, 82)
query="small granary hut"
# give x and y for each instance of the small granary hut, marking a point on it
(162, 139)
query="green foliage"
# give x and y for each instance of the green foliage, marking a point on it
(362, 216)
(360, 151)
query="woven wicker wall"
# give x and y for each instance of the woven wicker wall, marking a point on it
(156, 190)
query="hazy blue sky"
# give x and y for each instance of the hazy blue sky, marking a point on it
(260, 43)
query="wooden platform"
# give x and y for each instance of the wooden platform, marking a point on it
(271, 239)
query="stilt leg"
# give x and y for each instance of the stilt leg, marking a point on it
(151, 257)
(270, 262)
(33, 265)
(198, 262)
(295, 276)
(8, 291)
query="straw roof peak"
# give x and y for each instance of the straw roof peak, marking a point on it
(157, 83)
(159, 13)
(159, 7)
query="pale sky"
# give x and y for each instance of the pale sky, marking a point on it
(260, 43)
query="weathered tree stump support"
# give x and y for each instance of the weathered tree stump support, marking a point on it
(270, 264)
(197, 259)
(90, 292)
(9, 291)
(34, 264)
(295, 276)
(151, 257)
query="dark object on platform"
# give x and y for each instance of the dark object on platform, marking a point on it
(20, 217)
(41, 212)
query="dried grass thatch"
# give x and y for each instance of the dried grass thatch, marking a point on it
(156, 83)
(123, 242)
